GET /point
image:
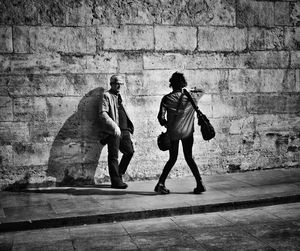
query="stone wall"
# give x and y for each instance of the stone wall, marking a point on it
(56, 58)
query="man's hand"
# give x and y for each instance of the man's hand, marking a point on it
(117, 132)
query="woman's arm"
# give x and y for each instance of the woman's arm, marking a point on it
(162, 113)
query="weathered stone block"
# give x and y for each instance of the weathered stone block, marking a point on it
(298, 80)
(221, 39)
(277, 123)
(205, 105)
(134, 84)
(53, 13)
(21, 39)
(53, 39)
(211, 81)
(91, 42)
(229, 106)
(91, 152)
(5, 88)
(36, 85)
(267, 59)
(195, 60)
(170, 38)
(247, 80)
(26, 154)
(215, 60)
(295, 59)
(156, 82)
(244, 80)
(5, 64)
(130, 63)
(271, 104)
(242, 126)
(30, 108)
(61, 13)
(148, 127)
(24, 12)
(207, 13)
(60, 109)
(47, 63)
(148, 104)
(282, 13)
(155, 61)
(266, 39)
(13, 132)
(6, 111)
(102, 63)
(95, 81)
(295, 11)
(166, 12)
(278, 80)
(78, 85)
(40, 39)
(253, 13)
(58, 39)
(148, 146)
(293, 103)
(6, 39)
(134, 12)
(6, 155)
(128, 37)
(43, 131)
(292, 38)
(79, 14)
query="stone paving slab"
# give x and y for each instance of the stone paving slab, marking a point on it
(245, 229)
(67, 206)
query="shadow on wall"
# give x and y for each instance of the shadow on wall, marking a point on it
(76, 149)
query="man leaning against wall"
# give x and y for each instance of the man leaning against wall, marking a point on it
(117, 127)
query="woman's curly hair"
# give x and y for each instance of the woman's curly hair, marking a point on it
(177, 81)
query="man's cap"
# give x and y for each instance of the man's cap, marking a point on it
(117, 79)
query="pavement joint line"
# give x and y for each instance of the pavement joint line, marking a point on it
(146, 214)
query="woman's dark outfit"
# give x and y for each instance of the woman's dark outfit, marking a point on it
(180, 126)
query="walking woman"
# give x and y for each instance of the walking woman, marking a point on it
(176, 113)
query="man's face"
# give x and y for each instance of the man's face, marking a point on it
(116, 86)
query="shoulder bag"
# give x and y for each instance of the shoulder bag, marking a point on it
(207, 130)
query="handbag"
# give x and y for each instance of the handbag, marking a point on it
(207, 130)
(163, 141)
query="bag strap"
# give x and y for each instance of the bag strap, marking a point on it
(192, 102)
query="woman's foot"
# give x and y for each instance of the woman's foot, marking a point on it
(160, 188)
(200, 188)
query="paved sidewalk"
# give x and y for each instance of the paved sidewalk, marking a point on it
(56, 207)
(267, 228)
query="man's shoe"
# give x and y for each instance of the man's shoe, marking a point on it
(199, 189)
(160, 188)
(120, 185)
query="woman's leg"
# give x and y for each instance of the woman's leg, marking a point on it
(173, 153)
(187, 145)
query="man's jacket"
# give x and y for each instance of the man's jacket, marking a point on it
(109, 115)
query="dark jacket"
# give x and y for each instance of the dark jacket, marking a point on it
(108, 113)
(177, 114)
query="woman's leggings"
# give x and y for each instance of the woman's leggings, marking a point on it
(187, 145)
